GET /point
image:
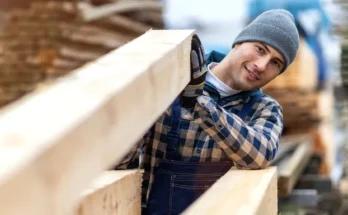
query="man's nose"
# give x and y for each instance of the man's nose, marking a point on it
(261, 63)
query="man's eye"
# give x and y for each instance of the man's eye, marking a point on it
(259, 49)
(276, 63)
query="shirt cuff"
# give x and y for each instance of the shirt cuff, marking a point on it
(207, 112)
(206, 103)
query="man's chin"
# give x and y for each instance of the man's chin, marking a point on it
(247, 86)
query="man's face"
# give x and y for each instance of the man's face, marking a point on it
(252, 65)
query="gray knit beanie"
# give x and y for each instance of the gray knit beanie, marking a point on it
(275, 28)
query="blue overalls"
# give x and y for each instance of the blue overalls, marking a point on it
(178, 183)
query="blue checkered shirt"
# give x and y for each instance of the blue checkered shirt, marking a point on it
(212, 132)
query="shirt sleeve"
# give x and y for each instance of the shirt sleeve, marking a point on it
(131, 160)
(250, 145)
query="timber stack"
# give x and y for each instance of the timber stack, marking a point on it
(340, 29)
(51, 38)
(306, 108)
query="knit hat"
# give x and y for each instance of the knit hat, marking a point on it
(275, 28)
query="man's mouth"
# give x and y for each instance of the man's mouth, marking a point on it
(252, 74)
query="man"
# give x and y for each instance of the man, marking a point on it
(221, 120)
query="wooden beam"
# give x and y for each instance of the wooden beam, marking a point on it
(291, 167)
(54, 141)
(240, 192)
(113, 192)
(89, 13)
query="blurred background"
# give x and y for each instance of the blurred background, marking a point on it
(43, 40)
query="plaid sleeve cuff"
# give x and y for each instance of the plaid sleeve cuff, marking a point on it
(206, 102)
(208, 110)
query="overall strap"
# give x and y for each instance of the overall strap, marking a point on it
(173, 134)
(247, 106)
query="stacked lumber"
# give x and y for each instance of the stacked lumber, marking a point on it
(340, 29)
(7, 5)
(300, 185)
(339, 21)
(303, 110)
(344, 63)
(292, 165)
(50, 39)
(306, 109)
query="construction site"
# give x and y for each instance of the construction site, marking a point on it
(82, 81)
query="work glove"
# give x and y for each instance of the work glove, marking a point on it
(198, 74)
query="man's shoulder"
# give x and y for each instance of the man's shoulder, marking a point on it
(214, 56)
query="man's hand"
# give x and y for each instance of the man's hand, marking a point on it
(198, 73)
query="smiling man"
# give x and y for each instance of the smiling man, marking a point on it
(221, 120)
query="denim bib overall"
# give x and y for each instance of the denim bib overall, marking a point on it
(179, 183)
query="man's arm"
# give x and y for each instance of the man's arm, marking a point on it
(251, 145)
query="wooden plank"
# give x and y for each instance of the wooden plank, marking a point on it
(290, 168)
(57, 139)
(113, 192)
(238, 192)
(89, 13)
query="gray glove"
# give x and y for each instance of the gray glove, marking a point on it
(198, 74)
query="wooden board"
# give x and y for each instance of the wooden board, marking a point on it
(54, 141)
(113, 192)
(290, 168)
(240, 192)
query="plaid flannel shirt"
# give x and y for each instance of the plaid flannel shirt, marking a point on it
(212, 132)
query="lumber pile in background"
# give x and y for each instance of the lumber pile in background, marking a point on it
(301, 188)
(344, 63)
(292, 164)
(49, 39)
(306, 109)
